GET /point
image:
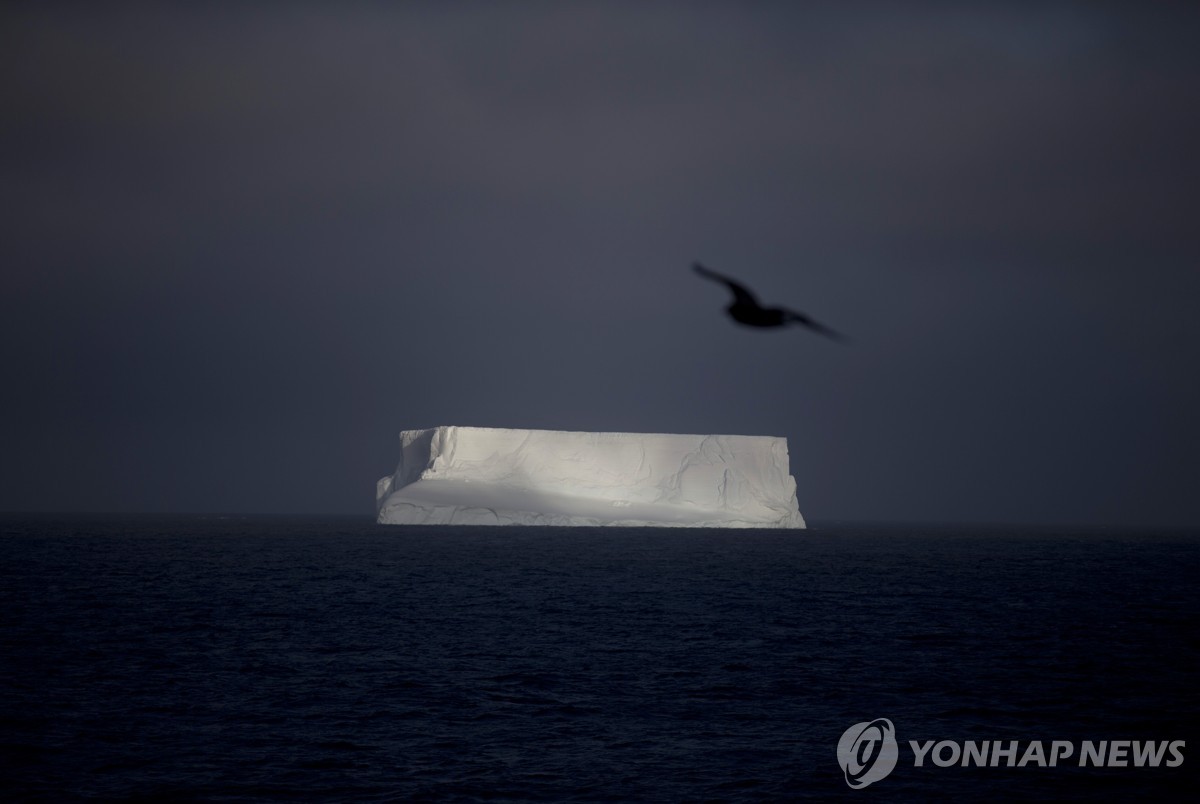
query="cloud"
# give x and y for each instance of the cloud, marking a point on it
(253, 220)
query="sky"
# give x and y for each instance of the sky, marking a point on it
(244, 245)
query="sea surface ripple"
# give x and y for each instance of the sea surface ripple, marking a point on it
(281, 659)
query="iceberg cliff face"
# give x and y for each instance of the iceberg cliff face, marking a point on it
(486, 476)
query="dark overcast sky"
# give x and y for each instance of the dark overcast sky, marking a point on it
(244, 245)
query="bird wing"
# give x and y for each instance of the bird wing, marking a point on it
(740, 293)
(816, 326)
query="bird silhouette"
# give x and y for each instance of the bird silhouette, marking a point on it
(746, 309)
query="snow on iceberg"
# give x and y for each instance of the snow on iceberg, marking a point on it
(488, 476)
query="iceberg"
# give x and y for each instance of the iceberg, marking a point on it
(494, 476)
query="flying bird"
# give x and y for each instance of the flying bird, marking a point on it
(746, 309)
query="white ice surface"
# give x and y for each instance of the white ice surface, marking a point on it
(486, 476)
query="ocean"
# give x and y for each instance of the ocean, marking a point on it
(332, 659)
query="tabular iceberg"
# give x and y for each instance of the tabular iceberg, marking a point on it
(489, 476)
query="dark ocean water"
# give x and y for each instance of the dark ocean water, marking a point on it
(273, 659)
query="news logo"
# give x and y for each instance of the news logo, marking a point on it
(867, 752)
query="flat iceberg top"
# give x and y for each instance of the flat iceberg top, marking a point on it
(497, 476)
(510, 432)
